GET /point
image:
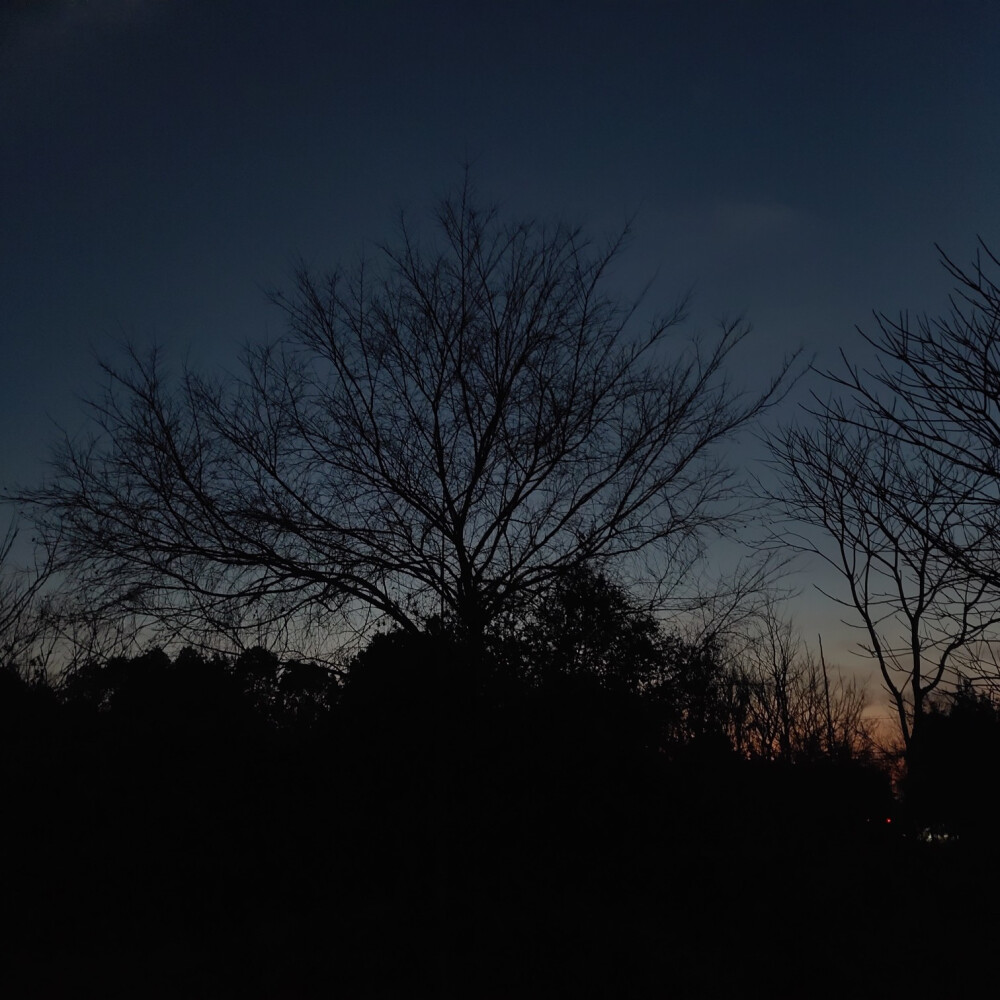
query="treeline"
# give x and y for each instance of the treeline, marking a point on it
(559, 813)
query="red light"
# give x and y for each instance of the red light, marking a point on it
(888, 819)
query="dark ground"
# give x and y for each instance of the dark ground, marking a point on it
(188, 849)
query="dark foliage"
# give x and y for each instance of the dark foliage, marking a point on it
(950, 788)
(208, 828)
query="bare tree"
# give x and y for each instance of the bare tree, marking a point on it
(48, 626)
(764, 670)
(875, 507)
(443, 432)
(23, 609)
(935, 385)
(783, 703)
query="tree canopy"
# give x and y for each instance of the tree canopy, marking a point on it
(444, 430)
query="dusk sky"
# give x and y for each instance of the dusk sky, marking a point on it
(164, 161)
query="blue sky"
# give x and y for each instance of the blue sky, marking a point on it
(162, 161)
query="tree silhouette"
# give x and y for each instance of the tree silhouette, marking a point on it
(899, 475)
(23, 624)
(444, 431)
(871, 506)
(935, 387)
(783, 703)
(586, 624)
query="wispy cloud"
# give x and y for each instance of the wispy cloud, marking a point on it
(752, 222)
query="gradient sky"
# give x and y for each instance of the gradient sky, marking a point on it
(161, 161)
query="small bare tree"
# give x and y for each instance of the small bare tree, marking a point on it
(24, 632)
(876, 509)
(443, 433)
(785, 705)
(936, 387)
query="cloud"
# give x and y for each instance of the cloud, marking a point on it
(753, 222)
